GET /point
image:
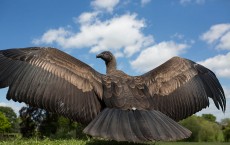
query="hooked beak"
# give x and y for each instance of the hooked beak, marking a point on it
(99, 56)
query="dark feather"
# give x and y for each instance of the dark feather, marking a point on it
(50, 79)
(135, 126)
(116, 106)
(180, 88)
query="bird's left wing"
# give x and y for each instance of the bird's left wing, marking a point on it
(180, 88)
(53, 80)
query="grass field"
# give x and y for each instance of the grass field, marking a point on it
(95, 142)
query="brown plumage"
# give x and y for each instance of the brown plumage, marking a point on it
(115, 106)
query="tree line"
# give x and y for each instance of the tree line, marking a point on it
(36, 122)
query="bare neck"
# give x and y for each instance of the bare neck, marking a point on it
(111, 66)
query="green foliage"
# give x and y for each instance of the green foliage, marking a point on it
(27, 128)
(40, 123)
(192, 123)
(65, 123)
(79, 132)
(43, 124)
(48, 126)
(28, 122)
(37, 122)
(95, 142)
(202, 129)
(225, 121)
(226, 133)
(12, 118)
(226, 129)
(209, 117)
(9, 113)
(65, 128)
(4, 123)
(68, 129)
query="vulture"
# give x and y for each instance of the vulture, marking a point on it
(115, 105)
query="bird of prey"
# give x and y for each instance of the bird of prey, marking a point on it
(115, 105)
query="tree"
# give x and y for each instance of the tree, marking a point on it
(4, 123)
(202, 129)
(225, 121)
(209, 117)
(192, 123)
(69, 129)
(48, 126)
(226, 128)
(27, 125)
(226, 132)
(12, 118)
(36, 121)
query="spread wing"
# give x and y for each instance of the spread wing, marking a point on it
(51, 79)
(180, 88)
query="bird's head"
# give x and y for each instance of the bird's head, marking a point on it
(107, 56)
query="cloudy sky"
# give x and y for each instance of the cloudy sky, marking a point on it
(141, 33)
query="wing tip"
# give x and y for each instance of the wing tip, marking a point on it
(210, 80)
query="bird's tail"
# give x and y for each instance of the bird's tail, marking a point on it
(135, 126)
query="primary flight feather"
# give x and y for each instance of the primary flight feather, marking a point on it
(115, 105)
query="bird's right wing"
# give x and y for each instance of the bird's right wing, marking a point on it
(53, 80)
(181, 87)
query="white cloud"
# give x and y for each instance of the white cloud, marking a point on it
(121, 32)
(177, 36)
(219, 64)
(227, 92)
(218, 35)
(156, 55)
(215, 32)
(53, 35)
(224, 42)
(107, 5)
(144, 2)
(87, 18)
(186, 2)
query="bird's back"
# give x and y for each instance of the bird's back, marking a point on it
(124, 92)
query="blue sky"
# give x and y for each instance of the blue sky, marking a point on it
(141, 33)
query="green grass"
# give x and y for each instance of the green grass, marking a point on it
(94, 142)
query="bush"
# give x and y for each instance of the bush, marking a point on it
(4, 123)
(202, 129)
(226, 129)
(209, 117)
(68, 129)
(12, 118)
